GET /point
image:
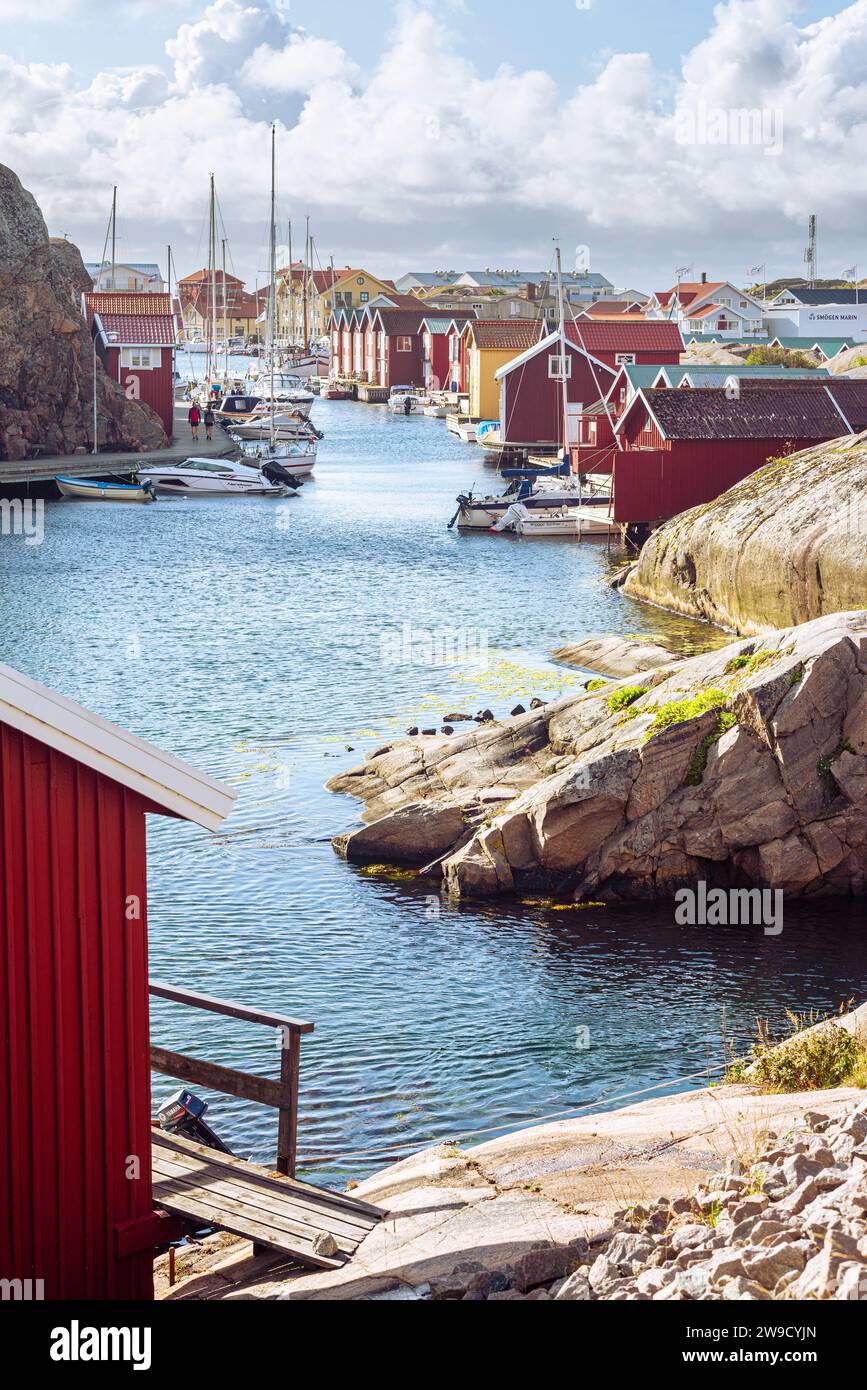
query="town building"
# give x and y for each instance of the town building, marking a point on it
(135, 336)
(140, 277)
(486, 345)
(709, 307)
(801, 313)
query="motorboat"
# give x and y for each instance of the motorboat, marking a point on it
(438, 410)
(405, 400)
(93, 490)
(564, 522)
(287, 390)
(209, 477)
(283, 424)
(298, 457)
(333, 391)
(551, 493)
(488, 434)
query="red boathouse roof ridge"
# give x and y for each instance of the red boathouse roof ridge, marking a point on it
(763, 411)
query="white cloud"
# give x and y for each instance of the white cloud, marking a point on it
(302, 65)
(427, 158)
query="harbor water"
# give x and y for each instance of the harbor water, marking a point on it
(273, 644)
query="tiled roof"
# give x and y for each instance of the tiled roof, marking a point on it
(127, 302)
(401, 320)
(629, 335)
(512, 336)
(766, 411)
(140, 330)
(199, 276)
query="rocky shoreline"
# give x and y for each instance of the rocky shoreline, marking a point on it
(745, 767)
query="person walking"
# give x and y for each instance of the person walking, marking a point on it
(209, 422)
(194, 415)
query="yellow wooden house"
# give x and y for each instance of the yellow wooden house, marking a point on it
(489, 344)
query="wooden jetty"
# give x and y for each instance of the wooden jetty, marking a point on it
(207, 1188)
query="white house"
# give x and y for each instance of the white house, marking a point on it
(140, 277)
(709, 306)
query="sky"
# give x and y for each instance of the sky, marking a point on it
(449, 134)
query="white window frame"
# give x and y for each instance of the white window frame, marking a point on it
(559, 366)
(403, 343)
(625, 359)
(141, 359)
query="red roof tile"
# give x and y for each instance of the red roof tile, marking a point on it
(127, 302)
(629, 335)
(511, 335)
(140, 330)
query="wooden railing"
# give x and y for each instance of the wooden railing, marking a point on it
(282, 1095)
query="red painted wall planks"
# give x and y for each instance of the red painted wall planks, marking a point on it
(74, 1073)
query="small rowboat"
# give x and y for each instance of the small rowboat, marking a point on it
(96, 491)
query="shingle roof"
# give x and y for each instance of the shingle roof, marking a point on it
(768, 410)
(630, 335)
(814, 297)
(401, 320)
(510, 335)
(139, 320)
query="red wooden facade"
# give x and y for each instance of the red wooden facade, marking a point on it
(653, 484)
(531, 399)
(75, 1156)
(136, 336)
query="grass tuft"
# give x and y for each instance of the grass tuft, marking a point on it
(621, 699)
(812, 1058)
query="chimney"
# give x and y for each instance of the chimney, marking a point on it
(704, 277)
(531, 291)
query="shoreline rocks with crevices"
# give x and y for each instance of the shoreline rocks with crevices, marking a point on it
(760, 780)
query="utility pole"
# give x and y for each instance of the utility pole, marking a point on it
(811, 254)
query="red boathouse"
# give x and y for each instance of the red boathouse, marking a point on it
(75, 1150)
(136, 336)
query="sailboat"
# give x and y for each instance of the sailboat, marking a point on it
(272, 430)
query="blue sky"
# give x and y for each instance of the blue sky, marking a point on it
(449, 133)
(557, 35)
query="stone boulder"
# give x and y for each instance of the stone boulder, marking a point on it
(744, 767)
(784, 546)
(46, 357)
(613, 655)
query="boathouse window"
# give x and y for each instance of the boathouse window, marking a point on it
(142, 358)
(625, 359)
(559, 365)
(404, 345)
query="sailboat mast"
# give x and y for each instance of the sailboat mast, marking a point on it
(225, 326)
(562, 330)
(212, 285)
(272, 296)
(306, 281)
(291, 293)
(113, 237)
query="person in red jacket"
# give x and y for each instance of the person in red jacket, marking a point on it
(194, 415)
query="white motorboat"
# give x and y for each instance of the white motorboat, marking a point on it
(488, 434)
(405, 400)
(296, 457)
(437, 410)
(287, 390)
(564, 522)
(480, 513)
(209, 477)
(284, 424)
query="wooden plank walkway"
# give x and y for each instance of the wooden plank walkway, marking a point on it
(216, 1189)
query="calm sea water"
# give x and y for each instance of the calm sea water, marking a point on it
(246, 636)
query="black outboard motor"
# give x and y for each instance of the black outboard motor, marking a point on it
(183, 1113)
(277, 474)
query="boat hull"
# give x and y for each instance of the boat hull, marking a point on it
(95, 491)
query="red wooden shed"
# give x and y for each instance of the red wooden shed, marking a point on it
(531, 392)
(136, 336)
(683, 448)
(75, 1150)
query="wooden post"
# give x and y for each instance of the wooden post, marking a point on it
(287, 1119)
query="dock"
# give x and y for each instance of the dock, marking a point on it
(207, 1188)
(20, 474)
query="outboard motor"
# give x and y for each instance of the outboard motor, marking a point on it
(183, 1113)
(280, 476)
